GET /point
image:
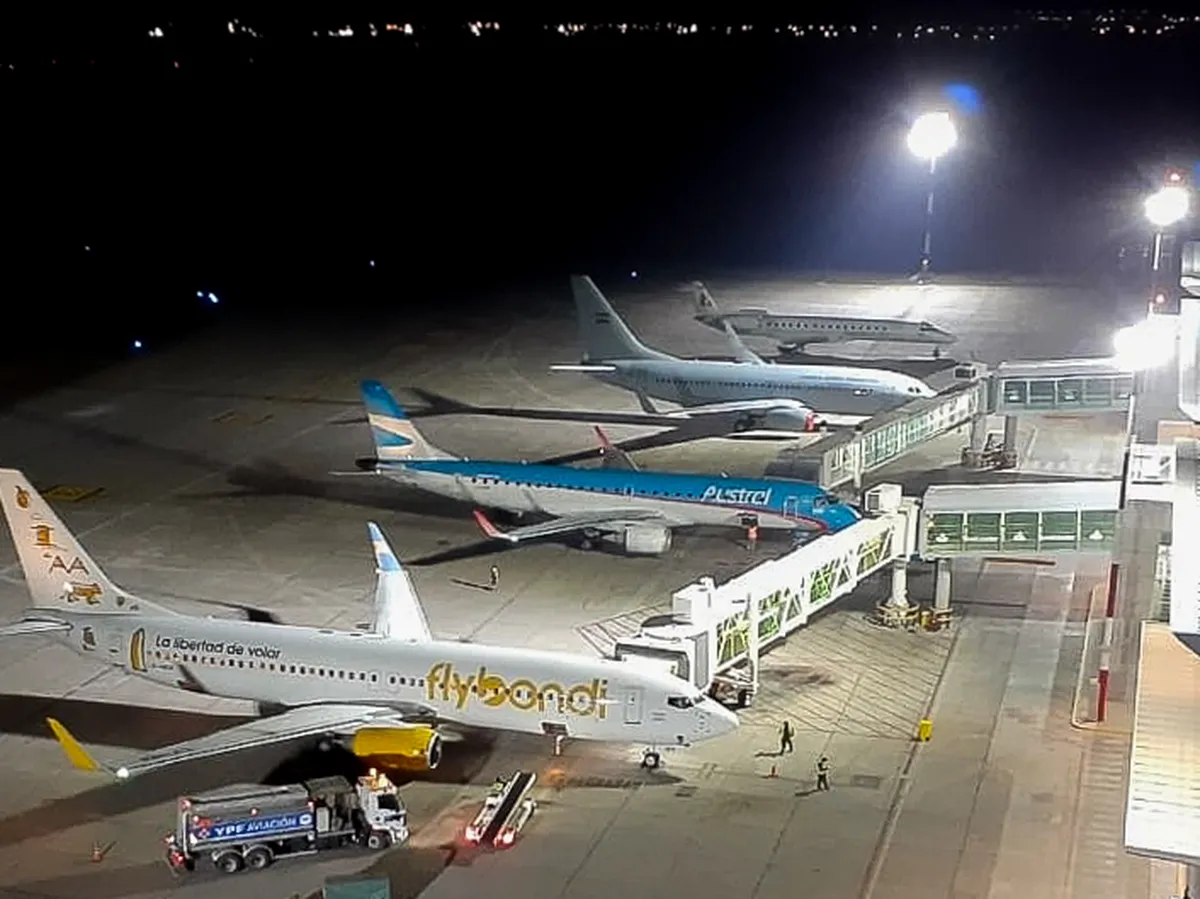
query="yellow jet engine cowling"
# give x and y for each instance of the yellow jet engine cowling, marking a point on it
(407, 748)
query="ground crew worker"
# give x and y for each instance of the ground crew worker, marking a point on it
(494, 577)
(823, 773)
(785, 738)
(752, 535)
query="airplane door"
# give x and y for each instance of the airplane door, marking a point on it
(791, 508)
(633, 705)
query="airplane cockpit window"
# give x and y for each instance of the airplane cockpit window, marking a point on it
(819, 503)
(680, 702)
(927, 326)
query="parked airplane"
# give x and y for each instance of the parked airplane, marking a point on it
(635, 509)
(794, 331)
(614, 355)
(384, 693)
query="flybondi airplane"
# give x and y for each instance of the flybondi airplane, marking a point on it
(794, 331)
(636, 509)
(777, 397)
(385, 694)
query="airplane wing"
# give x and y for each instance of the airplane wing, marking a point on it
(600, 521)
(742, 352)
(294, 724)
(32, 626)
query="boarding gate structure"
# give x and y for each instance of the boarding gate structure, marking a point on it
(1013, 389)
(716, 633)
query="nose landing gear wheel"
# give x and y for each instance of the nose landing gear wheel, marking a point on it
(651, 759)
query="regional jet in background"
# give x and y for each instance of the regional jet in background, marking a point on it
(635, 509)
(612, 354)
(385, 693)
(795, 331)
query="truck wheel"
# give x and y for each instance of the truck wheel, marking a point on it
(228, 862)
(377, 840)
(258, 858)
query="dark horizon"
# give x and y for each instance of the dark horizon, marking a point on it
(516, 158)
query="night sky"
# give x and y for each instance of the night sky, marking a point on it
(520, 157)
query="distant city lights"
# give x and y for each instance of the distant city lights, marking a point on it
(212, 297)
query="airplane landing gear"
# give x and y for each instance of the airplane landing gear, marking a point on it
(651, 759)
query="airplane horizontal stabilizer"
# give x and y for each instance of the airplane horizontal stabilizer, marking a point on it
(21, 628)
(294, 724)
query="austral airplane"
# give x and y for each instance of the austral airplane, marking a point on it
(614, 355)
(386, 694)
(795, 331)
(636, 509)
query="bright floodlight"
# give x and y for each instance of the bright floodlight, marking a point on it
(1148, 344)
(932, 135)
(1167, 206)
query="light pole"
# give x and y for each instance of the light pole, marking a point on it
(1165, 208)
(931, 137)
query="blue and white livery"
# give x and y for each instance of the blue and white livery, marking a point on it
(636, 509)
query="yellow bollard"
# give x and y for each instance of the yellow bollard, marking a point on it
(924, 730)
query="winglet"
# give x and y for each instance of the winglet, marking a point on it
(77, 755)
(612, 451)
(490, 529)
(647, 406)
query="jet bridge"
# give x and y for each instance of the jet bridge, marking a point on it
(713, 631)
(1055, 386)
(1019, 519)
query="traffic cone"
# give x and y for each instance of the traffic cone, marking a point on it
(97, 853)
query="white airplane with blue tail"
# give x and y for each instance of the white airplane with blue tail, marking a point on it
(636, 509)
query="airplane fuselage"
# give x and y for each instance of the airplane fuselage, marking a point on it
(802, 329)
(828, 389)
(467, 684)
(680, 499)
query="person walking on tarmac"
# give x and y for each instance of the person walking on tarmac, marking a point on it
(785, 738)
(823, 773)
(494, 577)
(752, 537)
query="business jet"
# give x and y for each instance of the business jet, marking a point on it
(385, 694)
(612, 354)
(635, 509)
(795, 331)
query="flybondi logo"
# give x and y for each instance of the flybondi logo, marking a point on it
(587, 700)
(736, 496)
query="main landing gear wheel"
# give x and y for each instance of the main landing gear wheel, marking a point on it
(651, 759)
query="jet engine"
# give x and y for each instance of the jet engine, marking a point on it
(416, 749)
(784, 419)
(645, 539)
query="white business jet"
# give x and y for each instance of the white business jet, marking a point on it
(383, 693)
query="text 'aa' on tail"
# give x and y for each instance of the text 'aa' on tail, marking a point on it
(396, 437)
(58, 570)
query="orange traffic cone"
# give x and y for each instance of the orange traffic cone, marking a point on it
(97, 853)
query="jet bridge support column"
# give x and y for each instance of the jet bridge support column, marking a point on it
(1010, 441)
(752, 640)
(897, 612)
(972, 455)
(941, 585)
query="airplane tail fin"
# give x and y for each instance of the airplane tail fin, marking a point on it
(398, 612)
(602, 333)
(58, 570)
(741, 352)
(396, 437)
(705, 304)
